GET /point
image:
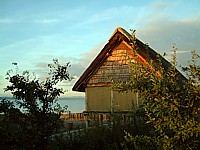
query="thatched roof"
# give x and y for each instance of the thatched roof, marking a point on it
(117, 37)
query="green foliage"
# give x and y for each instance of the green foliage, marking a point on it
(109, 136)
(36, 119)
(171, 106)
(174, 109)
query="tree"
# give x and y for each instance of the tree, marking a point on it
(172, 107)
(38, 117)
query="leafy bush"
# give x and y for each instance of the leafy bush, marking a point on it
(31, 125)
(172, 105)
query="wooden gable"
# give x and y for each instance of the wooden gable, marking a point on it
(114, 67)
(111, 63)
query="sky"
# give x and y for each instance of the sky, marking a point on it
(33, 32)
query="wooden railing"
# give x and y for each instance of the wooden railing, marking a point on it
(73, 116)
(82, 116)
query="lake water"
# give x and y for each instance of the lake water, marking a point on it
(75, 104)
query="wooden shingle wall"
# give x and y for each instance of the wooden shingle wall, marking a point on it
(114, 68)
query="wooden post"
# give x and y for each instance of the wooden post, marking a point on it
(101, 119)
(86, 109)
(86, 122)
(112, 101)
(137, 101)
(86, 101)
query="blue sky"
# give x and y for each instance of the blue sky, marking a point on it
(33, 32)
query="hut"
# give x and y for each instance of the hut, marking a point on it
(109, 64)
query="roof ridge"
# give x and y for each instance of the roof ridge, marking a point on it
(122, 31)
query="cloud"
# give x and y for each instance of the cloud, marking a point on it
(166, 24)
(46, 21)
(28, 20)
(39, 15)
(41, 65)
(75, 71)
(1, 79)
(163, 7)
(180, 52)
(78, 65)
(86, 58)
(38, 46)
(184, 33)
(9, 20)
(110, 17)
